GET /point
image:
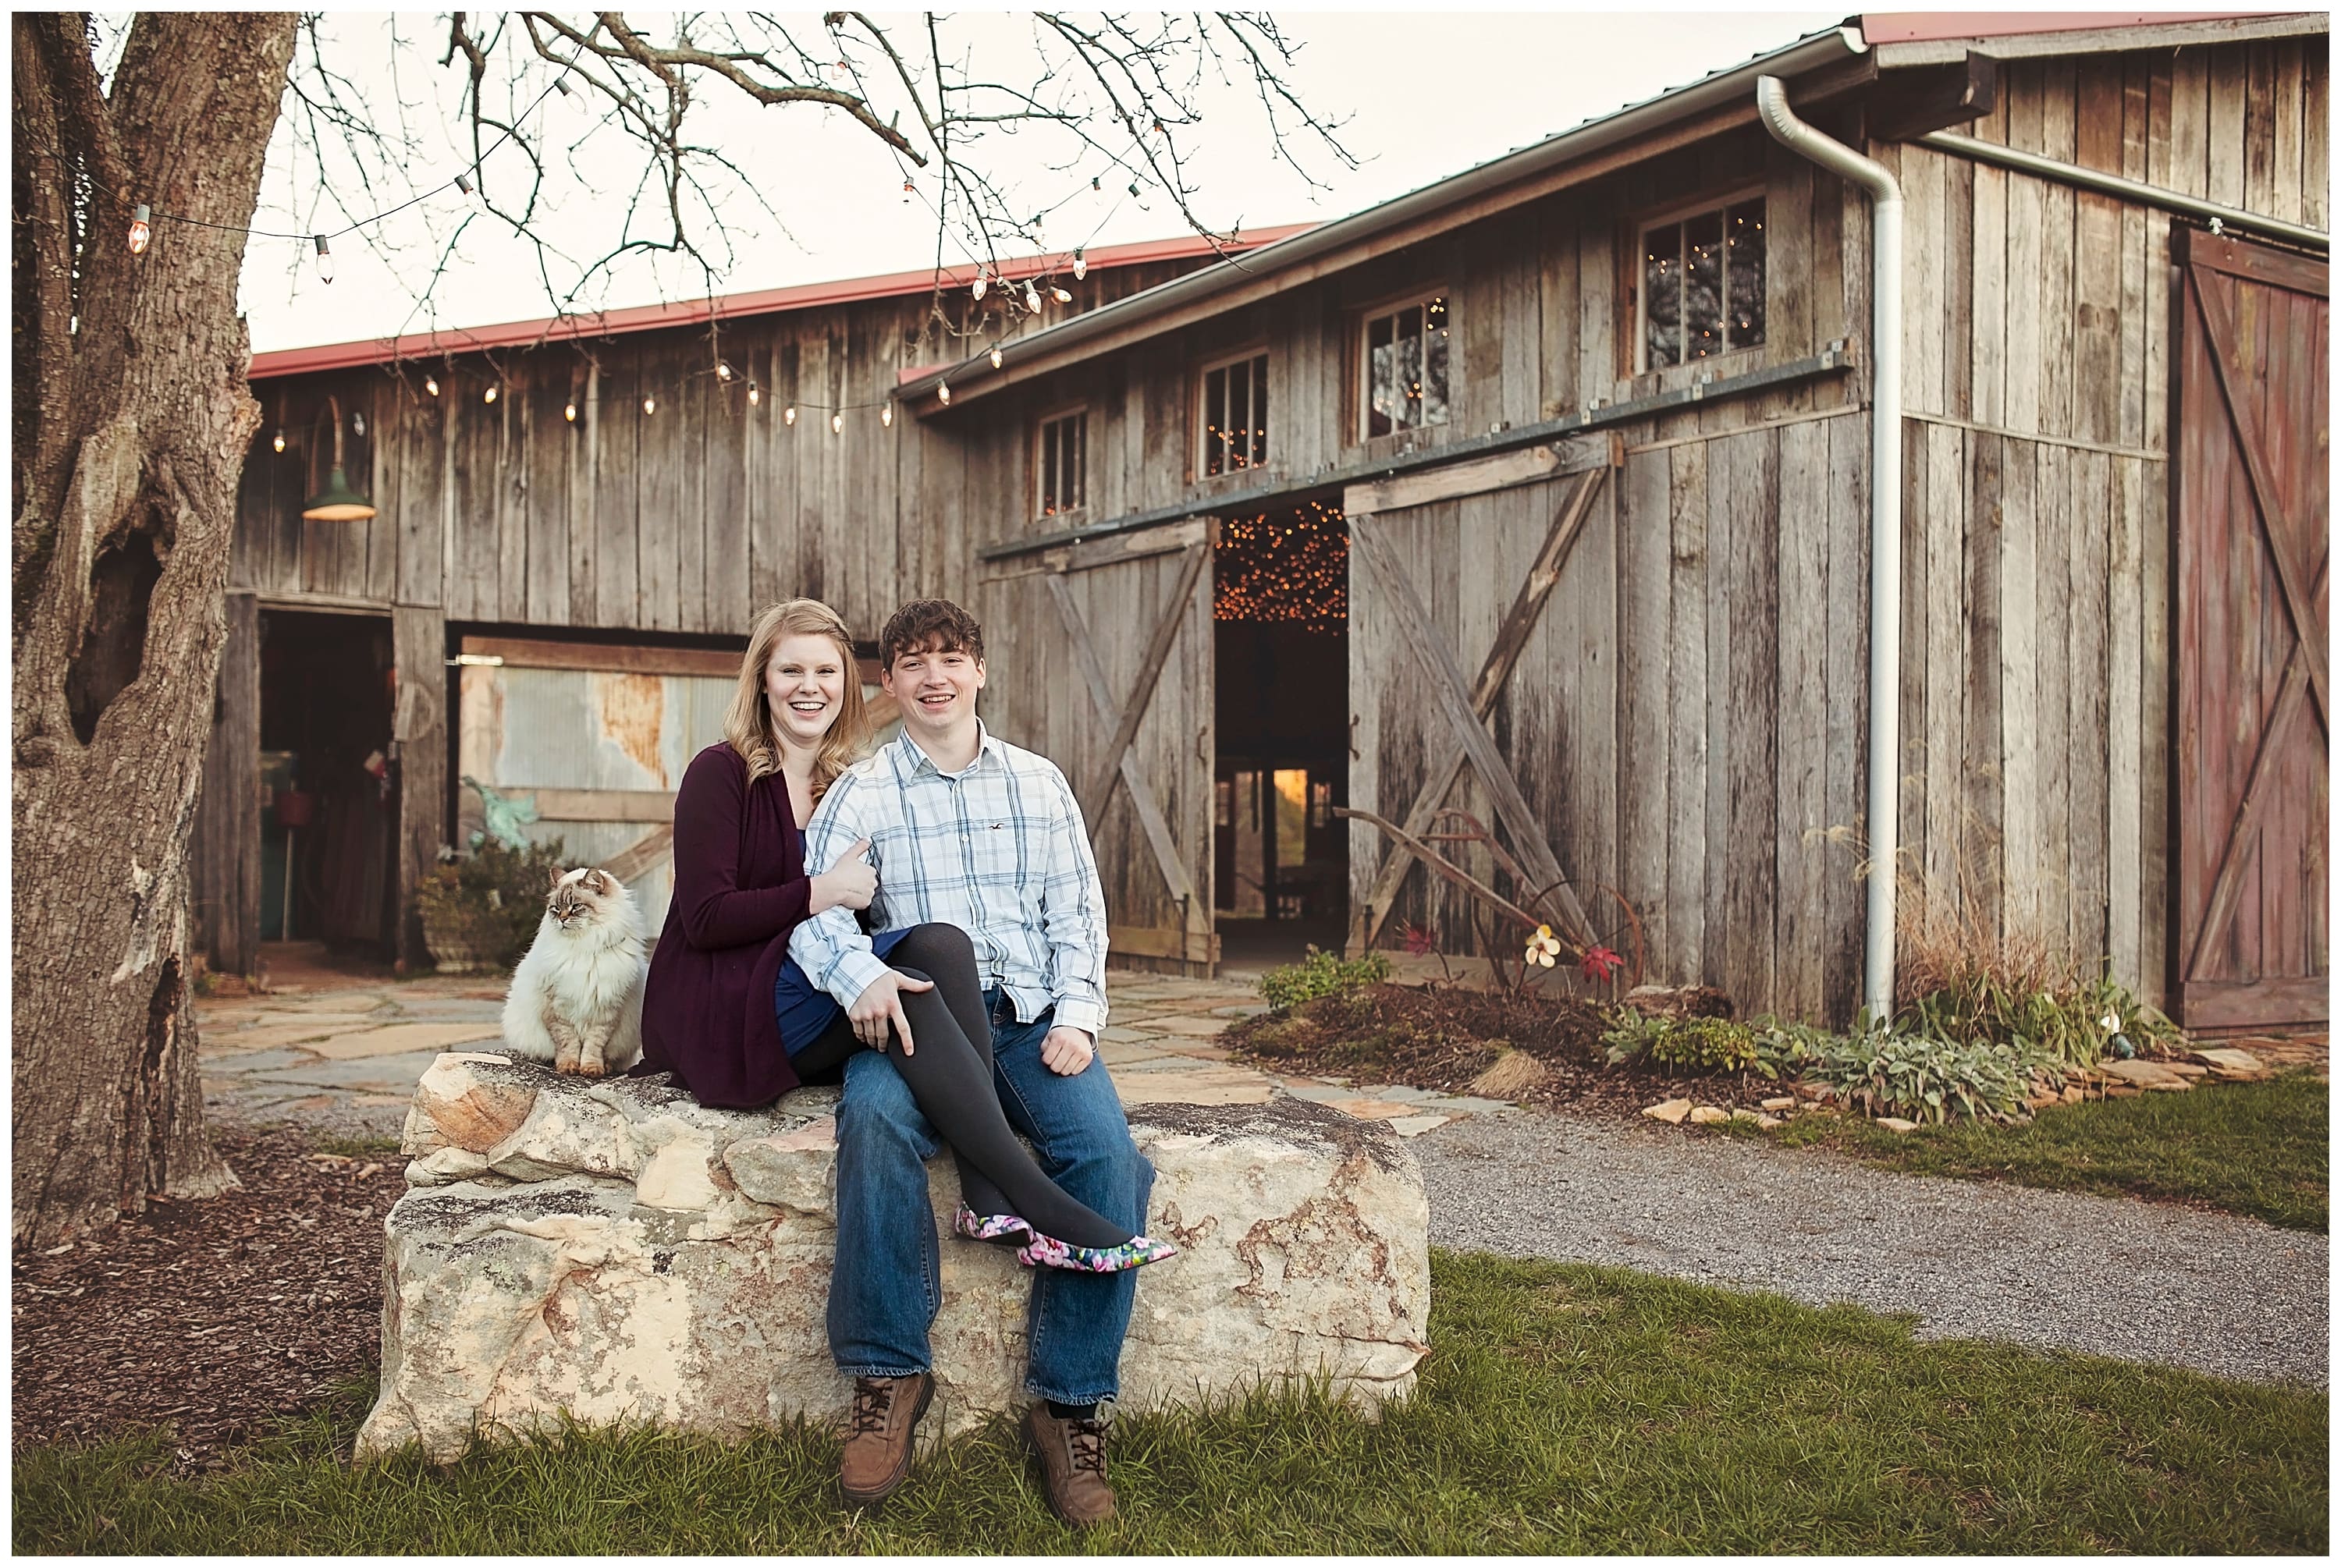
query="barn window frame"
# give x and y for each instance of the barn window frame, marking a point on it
(1678, 217)
(1423, 299)
(1207, 435)
(1050, 464)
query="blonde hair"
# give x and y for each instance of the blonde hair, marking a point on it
(748, 723)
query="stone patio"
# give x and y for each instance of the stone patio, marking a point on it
(340, 1046)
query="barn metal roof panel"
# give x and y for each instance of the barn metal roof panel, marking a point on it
(1112, 325)
(763, 301)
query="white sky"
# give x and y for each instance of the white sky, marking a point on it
(1425, 95)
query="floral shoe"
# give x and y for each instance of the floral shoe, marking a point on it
(1048, 1252)
(1004, 1228)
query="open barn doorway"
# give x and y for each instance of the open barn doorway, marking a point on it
(1283, 720)
(329, 813)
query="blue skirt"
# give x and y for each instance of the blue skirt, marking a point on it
(806, 1011)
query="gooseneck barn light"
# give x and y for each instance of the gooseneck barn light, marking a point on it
(338, 502)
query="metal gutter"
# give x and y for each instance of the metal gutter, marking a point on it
(2223, 218)
(1885, 521)
(969, 377)
(1836, 358)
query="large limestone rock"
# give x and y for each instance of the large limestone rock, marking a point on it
(614, 1251)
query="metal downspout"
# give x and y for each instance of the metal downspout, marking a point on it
(1885, 519)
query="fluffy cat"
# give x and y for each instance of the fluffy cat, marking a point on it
(576, 999)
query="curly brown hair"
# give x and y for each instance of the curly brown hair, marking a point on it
(928, 626)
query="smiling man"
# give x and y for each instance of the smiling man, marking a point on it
(967, 829)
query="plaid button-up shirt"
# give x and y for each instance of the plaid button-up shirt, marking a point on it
(996, 850)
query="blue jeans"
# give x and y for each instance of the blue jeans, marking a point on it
(888, 1283)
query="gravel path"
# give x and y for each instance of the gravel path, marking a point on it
(2143, 1282)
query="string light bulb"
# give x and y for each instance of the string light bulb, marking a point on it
(837, 424)
(325, 259)
(1080, 266)
(1064, 295)
(141, 230)
(471, 192)
(279, 439)
(569, 412)
(886, 415)
(723, 369)
(561, 86)
(981, 284)
(995, 356)
(755, 394)
(788, 415)
(1031, 299)
(942, 393)
(489, 395)
(430, 385)
(650, 405)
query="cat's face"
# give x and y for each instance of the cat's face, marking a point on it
(583, 898)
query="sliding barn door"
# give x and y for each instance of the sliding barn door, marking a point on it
(1099, 655)
(2253, 701)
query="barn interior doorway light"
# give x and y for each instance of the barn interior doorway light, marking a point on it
(338, 502)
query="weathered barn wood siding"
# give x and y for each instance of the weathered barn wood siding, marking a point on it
(679, 520)
(2037, 536)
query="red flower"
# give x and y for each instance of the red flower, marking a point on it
(1600, 963)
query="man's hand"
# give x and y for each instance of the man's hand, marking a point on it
(1067, 1050)
(881, 1005)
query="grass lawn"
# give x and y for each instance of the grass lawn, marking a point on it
(2259, 1149)
(1564, 1409)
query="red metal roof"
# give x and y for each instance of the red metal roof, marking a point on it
(761, 301)
(1925, 26)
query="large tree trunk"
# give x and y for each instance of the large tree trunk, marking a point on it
(132, 418)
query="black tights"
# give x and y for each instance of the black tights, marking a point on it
(950, 1075)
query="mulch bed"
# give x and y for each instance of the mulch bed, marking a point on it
(209, 1317)
(1442, 1038)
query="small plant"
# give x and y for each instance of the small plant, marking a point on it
(1321, 974)
(2074, 1022)
(483, 908)
(1885, 1072)
(1686, 1045)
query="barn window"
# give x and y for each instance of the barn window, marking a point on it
(1064, 466)
(1405, 364)
(1235, 415)
(1702, 290)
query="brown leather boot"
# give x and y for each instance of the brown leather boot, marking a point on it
(886, 1412)
(1073, 1465)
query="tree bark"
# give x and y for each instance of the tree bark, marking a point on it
(131, 422)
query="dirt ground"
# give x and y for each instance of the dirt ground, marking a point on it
(1442, 1038)
(209, 1317)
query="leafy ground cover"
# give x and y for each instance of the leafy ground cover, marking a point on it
(1444, 1037)
(1563, 1408)
(2260, 1149)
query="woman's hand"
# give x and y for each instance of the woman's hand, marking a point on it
(848, 884)
(1066, 1050)
(880, 1006)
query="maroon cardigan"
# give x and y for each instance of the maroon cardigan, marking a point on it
(739, 889)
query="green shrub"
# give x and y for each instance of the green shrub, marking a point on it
(1888, 1072)
(2065, 1022)
(498, 895)
(1321, 974)
(1684, 1045)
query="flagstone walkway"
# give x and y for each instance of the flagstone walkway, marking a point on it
(342, 1051)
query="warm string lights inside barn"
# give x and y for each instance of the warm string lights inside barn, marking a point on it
(1291, 566)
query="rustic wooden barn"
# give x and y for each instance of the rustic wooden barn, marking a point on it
(1544, 492)
(575, 524)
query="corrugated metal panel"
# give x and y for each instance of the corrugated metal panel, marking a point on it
(591, 731)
